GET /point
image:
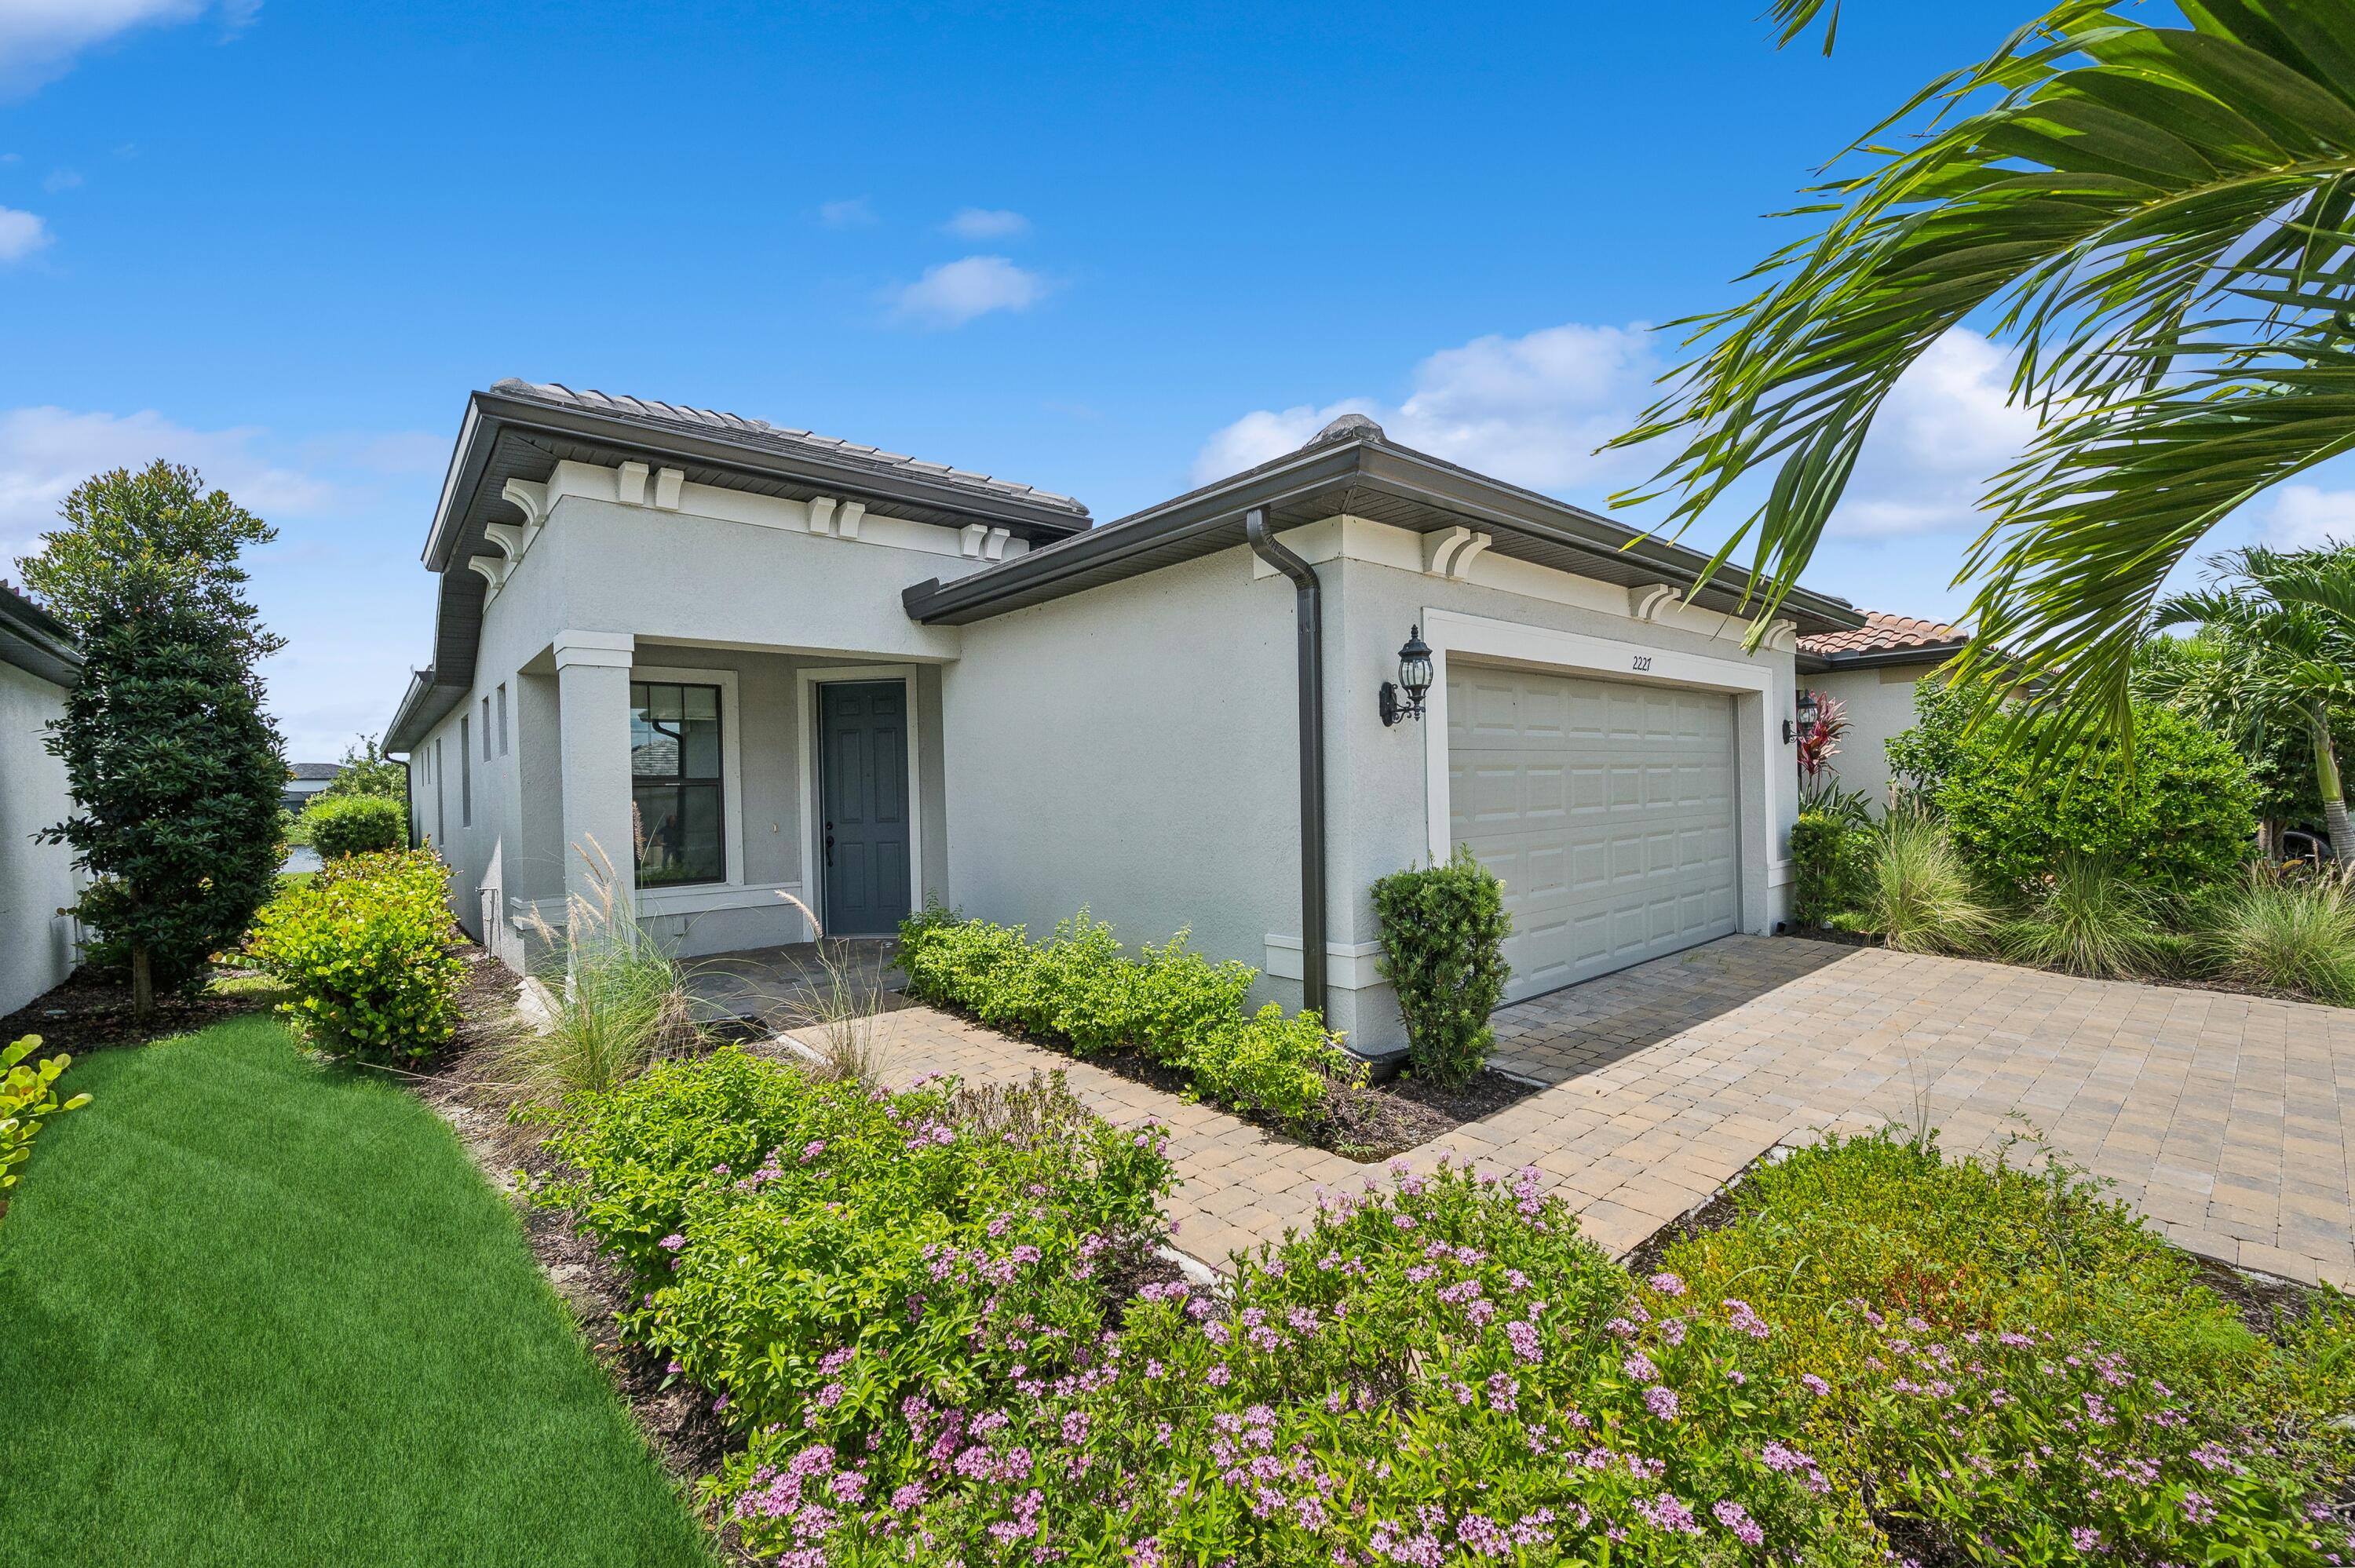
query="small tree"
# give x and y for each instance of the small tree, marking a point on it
(368, 771)
(175, 766)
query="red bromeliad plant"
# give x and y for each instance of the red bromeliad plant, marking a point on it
(1819, 739)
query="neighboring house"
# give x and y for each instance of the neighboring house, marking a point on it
(1872, 671)
(38, 666)
(304, 781)
(747, 661)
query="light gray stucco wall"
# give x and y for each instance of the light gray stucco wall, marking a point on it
(1879, 704)
(36, 943)
(1132, 748)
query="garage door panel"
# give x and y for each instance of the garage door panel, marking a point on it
(1605, 807)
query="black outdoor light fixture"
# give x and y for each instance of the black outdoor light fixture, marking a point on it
(1806, 717)
(1415, 680)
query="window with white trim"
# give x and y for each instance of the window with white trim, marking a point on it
(676, 792)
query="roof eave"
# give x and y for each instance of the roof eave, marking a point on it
(490, 413)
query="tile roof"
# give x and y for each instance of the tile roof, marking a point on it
(315, 770)
(681, 416)
(1884, 633)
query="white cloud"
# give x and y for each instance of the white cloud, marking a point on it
(40, 38)
(61, 180)
(1529, 409)
(2307, 516)
(21, 234)
(1532, 410)
(856, 213)
(984, 223)
(46, 452)
(1944, 430)
(955, 292)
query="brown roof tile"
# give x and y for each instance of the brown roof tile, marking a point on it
(1884, 633)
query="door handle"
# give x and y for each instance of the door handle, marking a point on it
(829, 844)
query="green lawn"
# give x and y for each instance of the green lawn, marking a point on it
(258, 1311)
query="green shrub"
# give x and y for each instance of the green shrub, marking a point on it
(1173, 1005)
(2088, 920)
(1915, 891)
(1831, 853)
(1443, 931)
(2010, 1367)
(2181, 818)
(2284, 931)
(815, 1253)
(27, 1096)
(356, 824)
(365, 947)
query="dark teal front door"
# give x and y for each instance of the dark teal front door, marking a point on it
(862, 749)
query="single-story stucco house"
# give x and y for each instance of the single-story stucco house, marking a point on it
(747, 660)
(39, 665)
(1872, 671)
(306, 782)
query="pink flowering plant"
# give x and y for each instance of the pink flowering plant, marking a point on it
(1437, 1372)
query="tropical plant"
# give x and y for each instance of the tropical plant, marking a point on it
(365, 947)
(2285, 651)
(1830, 854)
(1818, 743)
(2282, 929)
(368, 771)
(28, 1098)
(356, 824)
(2177, 814)
(617, 997)
(2194, 675)
(2156, 217)
(2088, 920)
(1443, 934)
(174, 765)
(1916, 892)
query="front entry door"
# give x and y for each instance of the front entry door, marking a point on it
(862, 749)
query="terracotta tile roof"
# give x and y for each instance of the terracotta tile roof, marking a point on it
(1884, 633)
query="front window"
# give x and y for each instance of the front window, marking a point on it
(675, 783)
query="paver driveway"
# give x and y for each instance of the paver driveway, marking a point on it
(2230, 1120)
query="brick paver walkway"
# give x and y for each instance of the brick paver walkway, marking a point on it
(2230, 1120)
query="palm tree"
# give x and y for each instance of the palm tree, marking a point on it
(2286, 640)
(2157, 218)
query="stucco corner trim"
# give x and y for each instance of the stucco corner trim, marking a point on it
(1348, 966)
(1781, 873)
(596, 650)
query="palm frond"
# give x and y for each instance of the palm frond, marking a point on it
(2155, 218)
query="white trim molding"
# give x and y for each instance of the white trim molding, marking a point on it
(731, 768)
(1348, 966)
(1453, 633)
(595, 650)
(806, 679)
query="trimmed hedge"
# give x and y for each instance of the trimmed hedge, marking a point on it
(1443, 930)
(1172, 1004)
(356, 824)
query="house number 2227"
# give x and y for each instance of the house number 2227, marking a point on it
(1643, 661)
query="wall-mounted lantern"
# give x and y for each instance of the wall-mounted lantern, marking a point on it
(1415, 680)
(1809, 709)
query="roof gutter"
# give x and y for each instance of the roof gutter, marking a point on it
(1309, 620)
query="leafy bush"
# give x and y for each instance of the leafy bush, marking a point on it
(1173, 1005)
(2018, 800)
(816, 1253)
(2285, 931)
(2088, 920)
(1915, 891)
(1832, 856)
(2010, 1368)
(365, 948)
(27, 1096)
(356, 824)
(1443, 931)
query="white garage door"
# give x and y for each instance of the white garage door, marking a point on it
(1606, 808)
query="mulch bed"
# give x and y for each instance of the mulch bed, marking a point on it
(93, 1012)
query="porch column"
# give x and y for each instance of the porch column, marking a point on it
(593, 704)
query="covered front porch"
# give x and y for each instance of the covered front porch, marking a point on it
(745, 797)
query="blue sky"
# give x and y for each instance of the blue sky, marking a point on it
(1108, 250)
